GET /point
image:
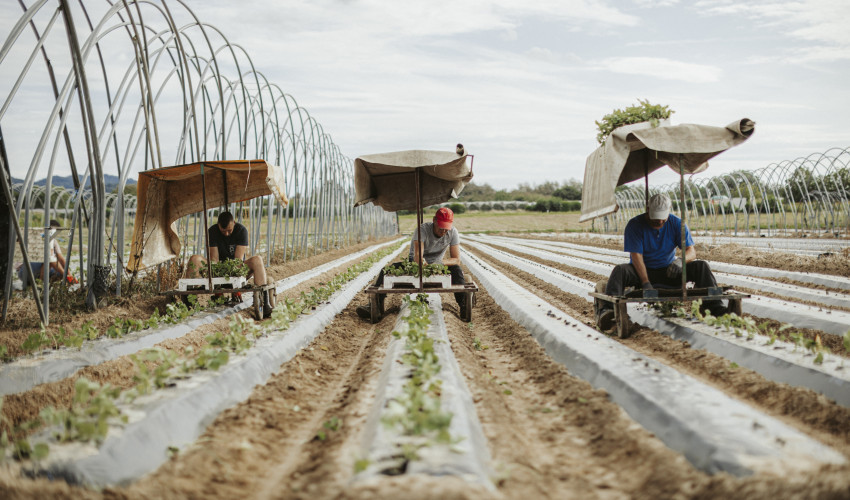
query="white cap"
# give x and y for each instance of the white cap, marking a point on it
(659, 207)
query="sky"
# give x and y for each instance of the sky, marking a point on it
(520, 84)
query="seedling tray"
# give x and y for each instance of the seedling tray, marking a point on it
(204, 284)
(440, 281)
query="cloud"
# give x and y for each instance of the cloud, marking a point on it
(662, 68)
(823, 23)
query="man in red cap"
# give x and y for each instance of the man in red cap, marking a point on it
(438, 238)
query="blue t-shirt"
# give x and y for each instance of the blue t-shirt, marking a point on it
(658, 246)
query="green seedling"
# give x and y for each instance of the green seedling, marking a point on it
(332, 425)
(87, 419)
(478, 346)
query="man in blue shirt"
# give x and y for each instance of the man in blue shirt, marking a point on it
(652, 239)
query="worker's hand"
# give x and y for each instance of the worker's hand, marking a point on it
(647, 286)
(648, 290)
(674, 270)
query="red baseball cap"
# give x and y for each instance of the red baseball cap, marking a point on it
(444, 218)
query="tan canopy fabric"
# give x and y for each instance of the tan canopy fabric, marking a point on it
(166, 194)
(634, 151)
(387, 179)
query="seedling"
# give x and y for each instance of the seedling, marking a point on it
(87, 418)
(330, 425)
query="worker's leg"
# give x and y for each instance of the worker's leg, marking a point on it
(196, 263)
(457, 279)
(255, 264)
(700, 273)
(622, 277)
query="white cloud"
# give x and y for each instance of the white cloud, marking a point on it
(820, 22)
(662, 68)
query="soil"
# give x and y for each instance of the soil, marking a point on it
(837, 264)
(550, 434)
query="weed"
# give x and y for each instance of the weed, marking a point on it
(478, 346)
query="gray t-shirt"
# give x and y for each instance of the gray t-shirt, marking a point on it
(434, 247)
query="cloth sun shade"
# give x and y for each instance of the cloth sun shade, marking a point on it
(634, 151)
(166, 194)
(387, 179)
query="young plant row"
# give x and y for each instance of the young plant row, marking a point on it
(747, 326)
(408, 268)
(417, 412)
(94, 406)
(174, 313)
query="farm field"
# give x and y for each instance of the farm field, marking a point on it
(541, 405)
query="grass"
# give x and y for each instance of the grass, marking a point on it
(498, 221)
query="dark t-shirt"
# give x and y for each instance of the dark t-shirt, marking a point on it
(227, 244)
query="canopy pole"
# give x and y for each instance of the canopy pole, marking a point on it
(224, 182)
(684, 218)
(419, 220)
(7, 193)
(646, 179)
(206, 225)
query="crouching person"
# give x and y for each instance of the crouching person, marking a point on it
(438, 238)
(229, 240)
(651, 240)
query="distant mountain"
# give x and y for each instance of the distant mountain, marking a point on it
(67, 182)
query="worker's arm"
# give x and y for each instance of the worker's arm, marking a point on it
(418, 249)
(690, 254)
(454, 256)
(213, 254)
(640, 267)
(60, 258)
(240, 252)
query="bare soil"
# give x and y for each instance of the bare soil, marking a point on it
(550, 434)
(836, 264)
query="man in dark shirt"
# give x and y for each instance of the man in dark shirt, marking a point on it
(651, 240)
(229, 240)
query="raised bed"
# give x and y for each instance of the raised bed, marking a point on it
(468, 458)
(713, 431)
(28, 372)
(780, 361)
(798, 315)
(175, 417)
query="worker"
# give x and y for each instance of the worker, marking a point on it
(229, 240)
(438, 237)
(56, 264)
(651, 239)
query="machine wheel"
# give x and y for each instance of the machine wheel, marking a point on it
(466, 308)
(375, 307)
(621, 316)
(735, 306)
(273, 297)
(258, 305)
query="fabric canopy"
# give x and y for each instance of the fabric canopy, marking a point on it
(634, 151)
(166, 194)
(387, 179)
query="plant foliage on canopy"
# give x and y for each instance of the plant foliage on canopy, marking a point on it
(641, 112)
